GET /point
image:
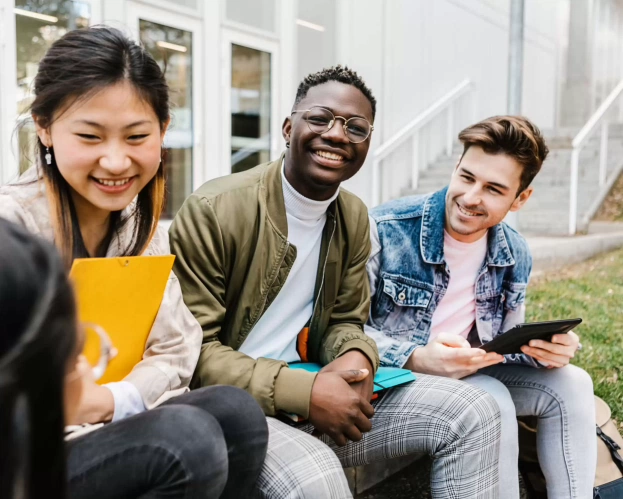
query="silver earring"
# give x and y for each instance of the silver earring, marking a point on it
(48, 156)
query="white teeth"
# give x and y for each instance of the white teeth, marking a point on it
(329, 155)
(467, 212)
(111, 183)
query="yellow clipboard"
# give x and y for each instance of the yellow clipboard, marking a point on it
(122, 295)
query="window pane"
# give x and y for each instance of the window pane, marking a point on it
(257, 13)
(192, 4)
(250, 107)
(172, 49)
(316, 36)
(38, 24)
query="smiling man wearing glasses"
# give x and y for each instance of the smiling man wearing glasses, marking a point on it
(272, 263)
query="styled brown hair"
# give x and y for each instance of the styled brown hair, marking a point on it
(514, 136)
(75, 67)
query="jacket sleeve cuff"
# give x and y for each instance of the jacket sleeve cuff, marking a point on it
(293, 389)
(364, 347)
(128, 400)
(393, 353)
(522, 359)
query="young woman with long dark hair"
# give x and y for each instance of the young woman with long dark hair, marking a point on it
(101, 110)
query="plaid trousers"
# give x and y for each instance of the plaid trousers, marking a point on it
(458, 425)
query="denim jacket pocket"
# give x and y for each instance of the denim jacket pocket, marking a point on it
(514, 295)
(494, 308)
(400, 304)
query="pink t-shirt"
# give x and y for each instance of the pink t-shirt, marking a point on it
(456, 312)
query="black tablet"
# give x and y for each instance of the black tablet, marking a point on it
(512, 340)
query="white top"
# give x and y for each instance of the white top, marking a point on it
(456, 312)
(274, 335)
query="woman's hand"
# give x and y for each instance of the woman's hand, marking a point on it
(97, 404)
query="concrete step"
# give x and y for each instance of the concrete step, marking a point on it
(555, 252)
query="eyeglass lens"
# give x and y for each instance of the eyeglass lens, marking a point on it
(98, 349)
(321, 120)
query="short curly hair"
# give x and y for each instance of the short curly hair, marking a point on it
(342, 74)
(514, 136)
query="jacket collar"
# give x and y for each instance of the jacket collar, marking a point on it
(499, 253)
(272, 191)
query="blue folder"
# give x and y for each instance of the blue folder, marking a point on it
(386, 377)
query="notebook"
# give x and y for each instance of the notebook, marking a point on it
(123, 296)
(386, 377)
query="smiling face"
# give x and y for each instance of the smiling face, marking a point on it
(317, 164)
(107, 147)
(482, 190)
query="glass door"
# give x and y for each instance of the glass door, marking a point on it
(37, 26)
(250, 101)
(174, 41)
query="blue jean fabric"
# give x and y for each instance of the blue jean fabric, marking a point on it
(562, 400)
(207, 443)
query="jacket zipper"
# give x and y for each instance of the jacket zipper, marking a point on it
(263, 302)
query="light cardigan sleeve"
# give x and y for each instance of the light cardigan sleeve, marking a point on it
(12, 210)
(173, 346)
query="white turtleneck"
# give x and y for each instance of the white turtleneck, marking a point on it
(274, 336)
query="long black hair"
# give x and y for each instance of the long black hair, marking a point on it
(37, 339)
(75, 67)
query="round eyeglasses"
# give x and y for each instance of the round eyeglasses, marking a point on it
(320, 120)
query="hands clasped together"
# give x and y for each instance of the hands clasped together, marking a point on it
(340, 399)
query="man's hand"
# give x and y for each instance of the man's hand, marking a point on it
(336, 409)
(355, 360)
(450, 355)
(555, 353)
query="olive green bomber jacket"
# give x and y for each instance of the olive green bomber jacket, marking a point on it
(233, 257)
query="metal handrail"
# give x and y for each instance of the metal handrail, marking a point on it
(410, 131)
(578, 143)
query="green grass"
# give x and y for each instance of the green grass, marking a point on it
(592, 290)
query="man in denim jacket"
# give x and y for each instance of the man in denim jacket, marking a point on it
(447, 274)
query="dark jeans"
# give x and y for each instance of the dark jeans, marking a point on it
(207, 443)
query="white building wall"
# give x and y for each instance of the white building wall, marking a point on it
(412, 52)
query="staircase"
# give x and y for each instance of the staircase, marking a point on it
(547, 211)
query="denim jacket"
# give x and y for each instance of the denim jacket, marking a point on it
(409, 277)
